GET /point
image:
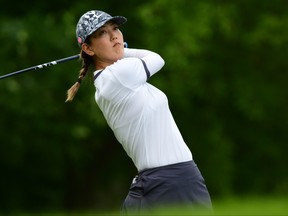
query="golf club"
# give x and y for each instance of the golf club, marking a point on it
(41, 66)
(46, 64)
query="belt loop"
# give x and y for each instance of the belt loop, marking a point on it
(135, 179)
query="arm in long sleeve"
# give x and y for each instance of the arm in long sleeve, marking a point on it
(153, 60)
(131, 71)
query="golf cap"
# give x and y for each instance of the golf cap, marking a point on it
(93, 20)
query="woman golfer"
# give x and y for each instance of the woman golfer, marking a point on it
(139, 115)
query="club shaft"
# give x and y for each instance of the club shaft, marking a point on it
(41, 66)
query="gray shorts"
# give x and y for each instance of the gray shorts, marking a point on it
(176, 184)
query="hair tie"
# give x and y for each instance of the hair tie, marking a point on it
(79, 80)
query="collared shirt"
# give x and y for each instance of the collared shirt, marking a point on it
(138, 112)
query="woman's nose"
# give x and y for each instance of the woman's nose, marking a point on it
(113, 36)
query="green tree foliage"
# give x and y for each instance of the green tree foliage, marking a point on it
(225, 76)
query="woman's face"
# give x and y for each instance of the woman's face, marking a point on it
(106, 45)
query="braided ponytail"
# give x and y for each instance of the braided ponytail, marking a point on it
(86, 63)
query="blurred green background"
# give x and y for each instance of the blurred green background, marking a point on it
(225, 77)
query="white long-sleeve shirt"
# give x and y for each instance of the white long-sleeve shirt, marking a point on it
(138, 113)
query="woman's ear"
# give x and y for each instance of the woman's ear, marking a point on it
(87, 49)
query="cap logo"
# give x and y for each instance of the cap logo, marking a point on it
(98, 15)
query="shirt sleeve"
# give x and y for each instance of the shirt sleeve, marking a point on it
(153, 61)
(136, 67)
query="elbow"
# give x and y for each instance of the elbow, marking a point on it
(161, 61)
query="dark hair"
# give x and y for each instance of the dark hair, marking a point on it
(87, 62)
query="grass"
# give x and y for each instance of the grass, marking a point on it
(237, 206)
(232, 206)
(253, 206)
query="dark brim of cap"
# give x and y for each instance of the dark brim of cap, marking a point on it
(119, 20)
